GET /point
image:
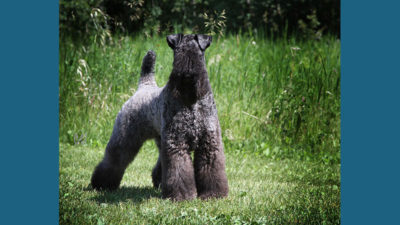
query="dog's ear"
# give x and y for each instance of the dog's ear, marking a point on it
(203, 40)
(174, 39)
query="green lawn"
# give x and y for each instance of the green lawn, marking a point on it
(262, 191)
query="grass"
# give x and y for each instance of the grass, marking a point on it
(262, 191)
(278, 99)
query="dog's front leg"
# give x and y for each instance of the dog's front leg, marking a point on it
(209, 164)
(178, 181)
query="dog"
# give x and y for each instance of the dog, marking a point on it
(181, 117)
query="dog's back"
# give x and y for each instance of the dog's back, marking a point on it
(144, 104)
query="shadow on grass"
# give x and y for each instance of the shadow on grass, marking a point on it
(123, 194)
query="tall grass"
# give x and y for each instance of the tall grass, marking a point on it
(275, 98)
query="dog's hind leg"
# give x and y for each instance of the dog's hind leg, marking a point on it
(156, 175)
(124, 144)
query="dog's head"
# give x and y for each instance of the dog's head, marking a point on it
(184, 43)
(188, 50)
(189, 77)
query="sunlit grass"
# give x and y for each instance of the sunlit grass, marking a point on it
(261, 192)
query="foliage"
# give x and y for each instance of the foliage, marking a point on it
(261, 192)
(102, 31)
(275, 98)
(310, 29)
(75, 17)
(152, 17)
(215, 23)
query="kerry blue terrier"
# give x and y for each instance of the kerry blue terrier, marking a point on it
(181, 117)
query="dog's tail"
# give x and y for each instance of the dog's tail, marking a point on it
(147, 74)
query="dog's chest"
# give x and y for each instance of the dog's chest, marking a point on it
(189, 123)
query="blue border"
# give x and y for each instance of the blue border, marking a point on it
(29, 112)
(370, 112)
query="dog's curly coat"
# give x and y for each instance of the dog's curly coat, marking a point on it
(181, 117)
